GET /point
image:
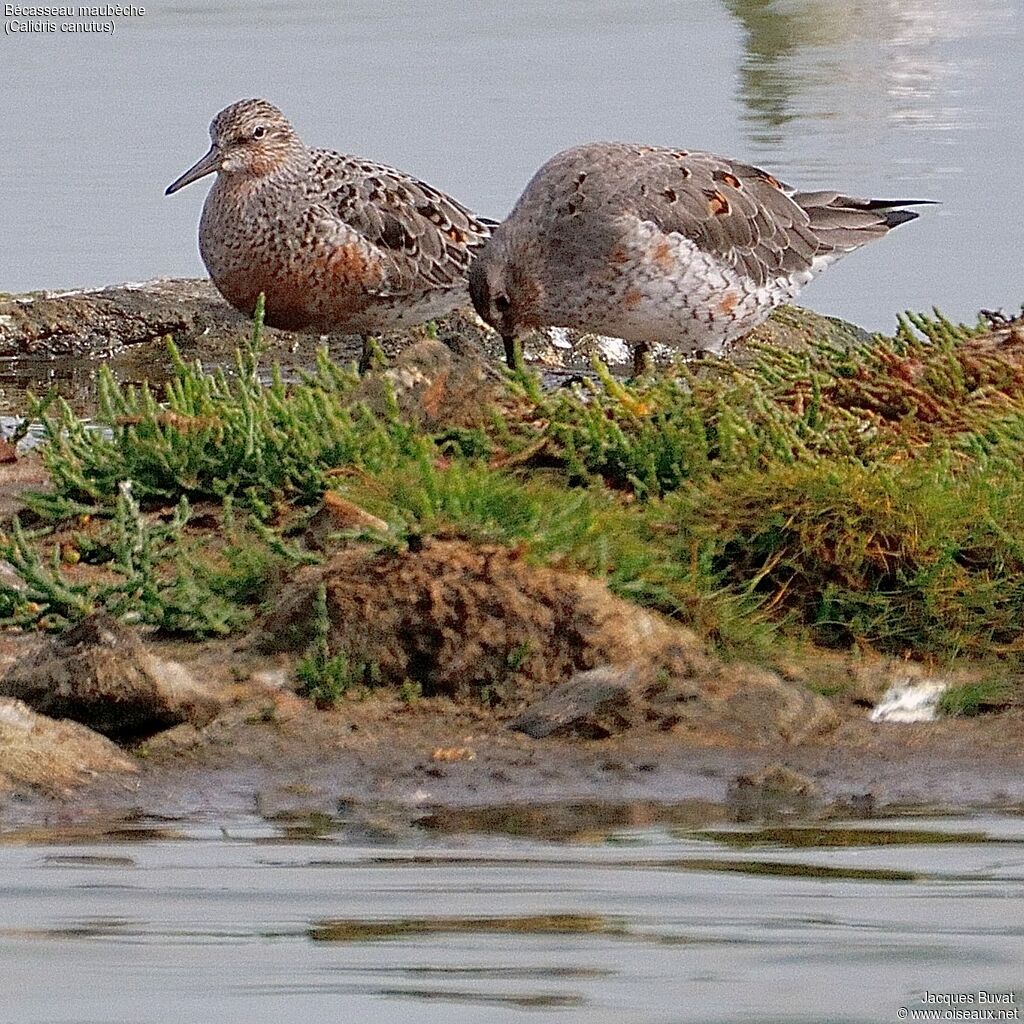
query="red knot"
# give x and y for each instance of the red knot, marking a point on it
(687, 249)
(335, 242)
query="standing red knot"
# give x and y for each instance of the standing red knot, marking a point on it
(335, 242)
(691, 250)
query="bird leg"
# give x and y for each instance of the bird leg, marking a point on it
(513, 352)
(642, 359)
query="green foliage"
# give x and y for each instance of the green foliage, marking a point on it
(152, 576)
(903, 556)
(44, 589)
(876, 402)
(324, 677)
(972, 699)
(466, 497)
(214, 435)
(518, 655)
(869, 496)
(410, 692)
(866, 496)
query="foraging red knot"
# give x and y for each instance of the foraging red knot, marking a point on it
(690, 250)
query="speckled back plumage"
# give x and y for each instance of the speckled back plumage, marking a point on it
(337, 243)
(685, 248)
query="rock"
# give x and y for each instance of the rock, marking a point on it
(789, 327)
(593, 705)
(771, 792)
(752, 705)
(684, 691)
(104, 321)
(338, 515)
(127, 324)
(99, 673)
(39, 753)
(459, 618)
(793, 327)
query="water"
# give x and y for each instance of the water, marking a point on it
(912, 98)
(250, 921)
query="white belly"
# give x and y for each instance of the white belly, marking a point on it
(671, 292)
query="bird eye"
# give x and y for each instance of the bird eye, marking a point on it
(259, 131)
(502, 303)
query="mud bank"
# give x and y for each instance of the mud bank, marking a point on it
(389, 767)
(671, 733)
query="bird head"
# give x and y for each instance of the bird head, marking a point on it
(251, 138)
(503, 293)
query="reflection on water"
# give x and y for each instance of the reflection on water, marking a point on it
(250, 922)
(862, 66)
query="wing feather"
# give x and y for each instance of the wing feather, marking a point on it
(419, 234)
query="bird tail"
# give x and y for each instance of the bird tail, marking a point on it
(846, 222)
(891, 209)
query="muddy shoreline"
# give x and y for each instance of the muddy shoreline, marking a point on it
(388, 766)
(388, 775)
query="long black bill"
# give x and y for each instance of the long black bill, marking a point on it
(209, 164)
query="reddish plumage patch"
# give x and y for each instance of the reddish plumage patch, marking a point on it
(261, 163)
(728, 302)
(349, 265)
(663, 255)
(718, 204)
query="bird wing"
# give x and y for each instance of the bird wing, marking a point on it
(423, 238)
(749, 219)
(739, 213)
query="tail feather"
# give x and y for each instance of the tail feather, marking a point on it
(885, 204)
(890, 209)
(847, 222)
(894, 218)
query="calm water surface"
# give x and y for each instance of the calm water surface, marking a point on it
(913, 98)
(249, 922)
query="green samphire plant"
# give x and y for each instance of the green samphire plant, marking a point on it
(866, 496)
